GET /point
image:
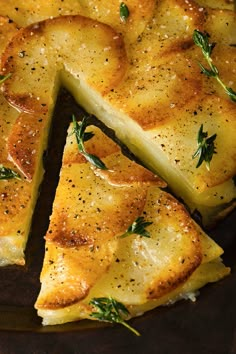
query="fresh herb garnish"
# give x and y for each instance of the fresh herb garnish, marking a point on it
(206, 148)
(138, 227)
(124, 12)
(202, 41)
(110, 310)
(81, 137)
(4, 78)
(7, 173)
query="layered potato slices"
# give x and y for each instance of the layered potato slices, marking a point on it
(158, 101)
(25, 138)
(141, 78)
(24, 13)
(25, 135)
(87, 258)
(17, 197)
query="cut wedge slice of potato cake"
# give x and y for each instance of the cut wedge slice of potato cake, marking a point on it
(86, 257)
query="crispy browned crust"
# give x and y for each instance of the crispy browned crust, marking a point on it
(24, 140)
(102, 81)
(177, 276)
(167, 92)
(127, 84)
(7, 30)
(24, 143)
(26, 13)
(96, 227)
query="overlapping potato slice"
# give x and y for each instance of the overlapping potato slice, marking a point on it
(211, 268)
(85, 255)
(28, 12)
(17, 197)
(157, 100)
(25, 137)
(166, 95)
(98, 63)
(24, 13)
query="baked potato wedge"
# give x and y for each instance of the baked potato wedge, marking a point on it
(87, 255)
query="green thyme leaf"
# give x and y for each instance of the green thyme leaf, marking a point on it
(231, 93)
(110, 310)
(207, 72)
(124, 12)
(4, 78)
(138, 227)
(7, 173)
(202, 41)
(206, 148)
(94, 160)
(81, 137)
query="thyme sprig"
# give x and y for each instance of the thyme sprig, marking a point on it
(202, 41)
(138, 227)
(206, 148)
(81, 137)
(124, 12)
(110, 310)
(4, 78)
(7, 173)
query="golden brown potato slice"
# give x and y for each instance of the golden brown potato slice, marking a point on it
(140, 12)
(156, 99)
(99, 63)
(24, 13)
(23, 144)
(85, 255)
(217, 4)
(28, 12)
(17, 197)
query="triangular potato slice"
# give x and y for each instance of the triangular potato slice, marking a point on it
(86, 257)
(157, 99)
